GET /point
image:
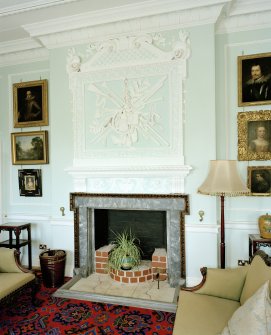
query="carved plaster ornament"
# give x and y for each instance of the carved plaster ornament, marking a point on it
(128, 108)
(181, 48)
(150, 68)
(73, 61)
(134, 113)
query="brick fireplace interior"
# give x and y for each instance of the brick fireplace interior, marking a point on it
(149, 227)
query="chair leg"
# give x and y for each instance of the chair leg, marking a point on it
(34, 290)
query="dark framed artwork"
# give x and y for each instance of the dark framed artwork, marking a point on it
(254, 79)
(30, 182)
(254, 135)
(29, 147)
(30, 104)
(259, 180)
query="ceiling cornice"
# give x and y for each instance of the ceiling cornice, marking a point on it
(180, 19)
(243, 7)
(19, 45)
(23, 57)
(137, 10)
(244, 22)
(244, 15)
(26, 6)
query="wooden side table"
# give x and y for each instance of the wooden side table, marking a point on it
(256, 241)
(17, 243)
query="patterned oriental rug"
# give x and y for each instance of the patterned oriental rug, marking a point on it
(57, 316)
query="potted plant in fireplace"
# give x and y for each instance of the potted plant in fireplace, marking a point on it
(126, 253)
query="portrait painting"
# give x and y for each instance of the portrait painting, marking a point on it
(254, 79)
(259, 180)
(254, 135)
(29, 147)
(30, 105)
(30, 182)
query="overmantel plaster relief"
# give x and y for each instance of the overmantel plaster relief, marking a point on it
(128, 105)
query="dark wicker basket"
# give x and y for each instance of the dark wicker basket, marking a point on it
(52, 264)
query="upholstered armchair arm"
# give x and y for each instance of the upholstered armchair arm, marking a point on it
(9, 261)
(222, 283)
(197, 287)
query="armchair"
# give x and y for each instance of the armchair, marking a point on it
(14, 278)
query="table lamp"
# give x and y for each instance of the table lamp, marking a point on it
(223, 180)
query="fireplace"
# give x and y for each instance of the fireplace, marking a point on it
(158, 220)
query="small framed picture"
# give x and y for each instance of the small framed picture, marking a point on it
(29, 147)
(254, 79)
(30, 183)
(259, 180)
(30, 104)
(254, 135)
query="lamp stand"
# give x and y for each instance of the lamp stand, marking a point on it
(222, 233)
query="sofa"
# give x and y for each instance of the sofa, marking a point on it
(228, 301)
(14, 278)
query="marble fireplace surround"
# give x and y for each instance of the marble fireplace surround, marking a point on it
(84, 205)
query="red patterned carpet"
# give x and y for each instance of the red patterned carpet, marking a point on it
(68, 316)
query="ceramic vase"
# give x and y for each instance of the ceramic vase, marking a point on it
(265, 225)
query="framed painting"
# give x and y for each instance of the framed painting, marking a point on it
(30, 183)
(29, 147)
(254, 135)
(259, 180)
(254, 79)
(30, 104)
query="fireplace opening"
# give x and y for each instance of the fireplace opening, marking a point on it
(148, 226)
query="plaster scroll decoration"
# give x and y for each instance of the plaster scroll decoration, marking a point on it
(181, 48)
(73, 61)
(114, 52)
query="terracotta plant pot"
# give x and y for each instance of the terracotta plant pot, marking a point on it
(265, 225)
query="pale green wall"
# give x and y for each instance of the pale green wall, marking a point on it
(228, 48)
(241, 212)
(61, 132)
(12, 202)
(200, 118)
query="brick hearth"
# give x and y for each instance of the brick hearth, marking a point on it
(147, 270)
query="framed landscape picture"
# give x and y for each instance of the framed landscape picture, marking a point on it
(254, 79)
(29, 147)
(259, 180)
(254, 135)
(30, 182)
(30, 104)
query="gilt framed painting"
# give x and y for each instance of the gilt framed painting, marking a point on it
(29, 147)
(30, 104)
(254, 135)
(254, 79)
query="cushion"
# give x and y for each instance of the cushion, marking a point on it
(258, 273)
(199, 314)
(225, 283)
(7, 261)
(9, 282)
(254, 317)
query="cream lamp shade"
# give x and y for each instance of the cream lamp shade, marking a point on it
(223, 179)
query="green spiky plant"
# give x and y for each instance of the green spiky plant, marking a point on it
(126, 246)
